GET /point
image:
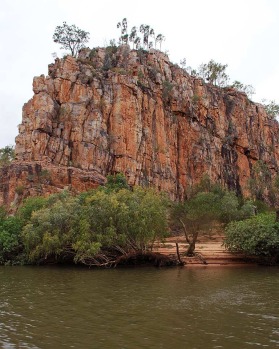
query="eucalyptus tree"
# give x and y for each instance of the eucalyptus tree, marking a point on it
(123, 25)
(271, 108)
(133, 36)
(214, 73)
(183, 63)
(159, 38)
(248, 89)
(70, 37)
(137, 42)
(152, 34)
(147, 32)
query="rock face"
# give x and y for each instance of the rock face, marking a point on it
(120, 110)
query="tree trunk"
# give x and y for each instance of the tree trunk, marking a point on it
(185, 231)
(192, 245)
(178, 254)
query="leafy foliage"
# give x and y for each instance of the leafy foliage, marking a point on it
(70, 37)
(123, 25)
(214, 73)
(102, 225)
(195, 216)
(138, 43)
(147, 31)
(248, 89)
(258, 235)
(11, 251)
(132, 218)
(29, 206)
(116, 182)
(207, 206)
(7, 154)
(95, 227)
(271, 108)
(51, 230)
(159, 39)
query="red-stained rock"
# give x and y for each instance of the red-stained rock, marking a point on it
(137, 113)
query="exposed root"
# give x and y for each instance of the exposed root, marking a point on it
(146, 258)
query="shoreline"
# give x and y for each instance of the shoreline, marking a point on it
(210, 253)
(210, 248)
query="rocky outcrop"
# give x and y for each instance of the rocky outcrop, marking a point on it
(120, 110)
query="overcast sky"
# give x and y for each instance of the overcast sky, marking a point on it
(241, 33)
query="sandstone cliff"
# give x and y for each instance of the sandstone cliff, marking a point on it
(120, 110)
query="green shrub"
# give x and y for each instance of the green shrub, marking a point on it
(258, 235)
(7, 154)
(11, 249)
(30, 205)
(95, 227)
(51, 231)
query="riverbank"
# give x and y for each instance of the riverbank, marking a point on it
(209, 250)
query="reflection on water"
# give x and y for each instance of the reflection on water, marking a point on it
(176, 308)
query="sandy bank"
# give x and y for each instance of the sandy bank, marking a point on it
(209, 248)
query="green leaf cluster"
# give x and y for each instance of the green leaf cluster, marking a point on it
(100, 226)
(93, 228)
(11, 249)
(248, 89)
(258, 235)
(209, 206)
(205, 208)
(214, 73)
(271, 108)
(7, 154)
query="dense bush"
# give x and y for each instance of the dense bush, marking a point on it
(101, 226)
(258, 235)
(11, 249)
(96, 227)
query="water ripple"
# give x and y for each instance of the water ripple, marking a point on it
(229, 308)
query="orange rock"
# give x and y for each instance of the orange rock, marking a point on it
(137, 113)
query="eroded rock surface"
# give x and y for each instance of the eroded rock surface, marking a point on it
(120, 110)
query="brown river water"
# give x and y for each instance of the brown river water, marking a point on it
(190, 307)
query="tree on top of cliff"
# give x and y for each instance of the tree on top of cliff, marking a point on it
(159, 38)
(248, 89)
(70, 37)
(147, 31)
(124, 31)
(271, 108)
(133, 37)
(214, 73)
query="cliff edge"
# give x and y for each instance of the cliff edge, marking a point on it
(120, 110)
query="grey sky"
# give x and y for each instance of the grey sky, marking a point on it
(240, 33)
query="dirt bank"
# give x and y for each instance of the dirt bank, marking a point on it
(209, 249)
